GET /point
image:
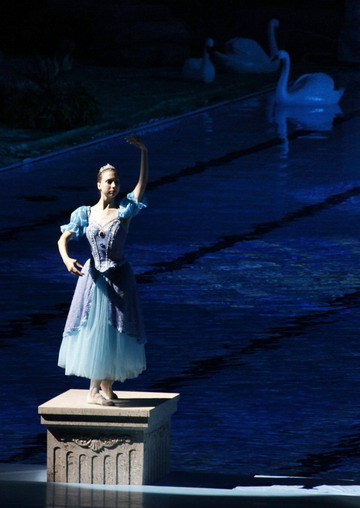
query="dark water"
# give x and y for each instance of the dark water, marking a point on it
(247, 260)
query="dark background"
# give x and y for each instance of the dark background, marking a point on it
(117, 32)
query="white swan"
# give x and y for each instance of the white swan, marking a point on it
(311, 89)
(200, 69)
(246, 55)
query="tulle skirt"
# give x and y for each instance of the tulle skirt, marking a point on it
(98, 350)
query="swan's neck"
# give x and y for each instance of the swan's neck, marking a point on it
(206, 56)
(281, 89)
(273, 47)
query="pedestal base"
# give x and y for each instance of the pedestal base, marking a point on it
(125, 444)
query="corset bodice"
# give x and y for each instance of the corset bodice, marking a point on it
(107, 244)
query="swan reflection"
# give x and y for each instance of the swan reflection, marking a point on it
(318, 118)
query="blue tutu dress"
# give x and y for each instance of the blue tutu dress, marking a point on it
(104, 334)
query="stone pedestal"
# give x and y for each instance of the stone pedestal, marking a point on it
(125, 444)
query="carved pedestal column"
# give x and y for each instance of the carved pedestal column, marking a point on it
(126, 444)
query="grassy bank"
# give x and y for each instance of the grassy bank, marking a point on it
(128, 98)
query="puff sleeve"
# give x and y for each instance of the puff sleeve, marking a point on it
(130, 206)
(78, 222)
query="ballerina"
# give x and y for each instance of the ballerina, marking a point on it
(104, 334)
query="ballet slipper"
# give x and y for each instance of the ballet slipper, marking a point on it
(99, 399)
(107, 390)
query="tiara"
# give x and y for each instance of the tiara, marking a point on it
(106, 167)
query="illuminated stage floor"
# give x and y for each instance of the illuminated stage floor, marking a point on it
(26, 486)
(248, 267)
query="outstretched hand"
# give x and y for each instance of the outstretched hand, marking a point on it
(72, 265)
(136, 141)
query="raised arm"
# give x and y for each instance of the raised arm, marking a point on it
(70, 263)
(143, 177)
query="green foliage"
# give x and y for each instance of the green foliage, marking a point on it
(45, 99)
